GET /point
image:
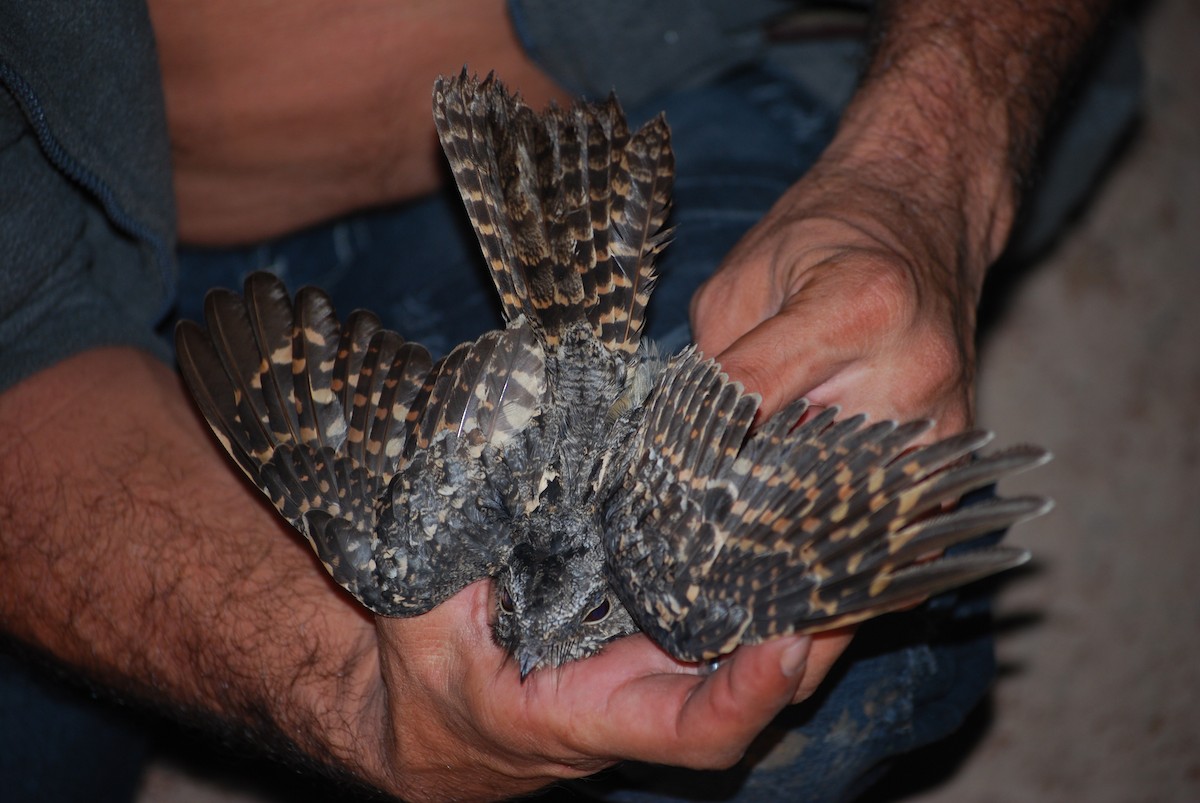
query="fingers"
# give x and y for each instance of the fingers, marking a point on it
(749, 689)
(785, 357)
(827, 648)
(782, 361)
(680, 718)
(851, 333)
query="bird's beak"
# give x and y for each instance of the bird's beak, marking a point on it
(528, 661)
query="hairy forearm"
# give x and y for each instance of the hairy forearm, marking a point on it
(281, 115)
(951, 110)
(132, 553)
(860, 286)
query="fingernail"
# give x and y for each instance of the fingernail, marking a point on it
(795, 657)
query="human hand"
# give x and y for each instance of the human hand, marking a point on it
(845, 305)
(859, 288)
(461, 724)
(854, 291)
(822, 308)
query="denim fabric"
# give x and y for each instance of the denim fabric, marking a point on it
(60, 745)
(643, 50)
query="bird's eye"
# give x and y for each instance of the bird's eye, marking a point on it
(599, 613)
(506, 601)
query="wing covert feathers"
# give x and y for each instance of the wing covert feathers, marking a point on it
(721, 535)
(494, 384)
(568, 206)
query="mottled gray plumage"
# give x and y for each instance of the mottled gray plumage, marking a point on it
(603, 488)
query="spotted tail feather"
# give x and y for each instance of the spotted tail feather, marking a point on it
(568, 207)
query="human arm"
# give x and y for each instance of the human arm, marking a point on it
(131, 553)
(859, 288)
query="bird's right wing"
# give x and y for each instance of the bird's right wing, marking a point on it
(323, 415)
(719, 536)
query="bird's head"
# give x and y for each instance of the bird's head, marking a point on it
(553, 605)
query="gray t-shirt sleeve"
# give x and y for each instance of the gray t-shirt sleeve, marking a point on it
(86, 210)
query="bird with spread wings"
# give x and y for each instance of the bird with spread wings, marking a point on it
(603, 487)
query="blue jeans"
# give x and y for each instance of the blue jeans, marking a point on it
(58, 744)
(739, 145)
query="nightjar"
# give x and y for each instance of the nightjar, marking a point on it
(603, 488)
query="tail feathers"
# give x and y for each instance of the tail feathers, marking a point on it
(495, 147)
(607, 138)
(568, 208)
(641, 198)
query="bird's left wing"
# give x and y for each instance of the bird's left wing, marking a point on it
(718, 535)
(313, 410)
